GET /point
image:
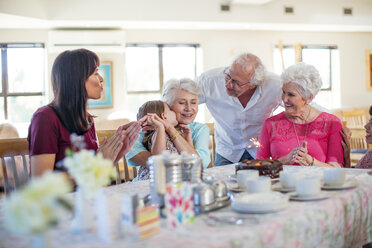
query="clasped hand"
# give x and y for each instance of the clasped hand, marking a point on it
(121, 142)
(300, 155)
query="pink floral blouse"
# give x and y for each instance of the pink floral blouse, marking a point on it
(278, 138)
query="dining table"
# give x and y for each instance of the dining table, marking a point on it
(342, 219)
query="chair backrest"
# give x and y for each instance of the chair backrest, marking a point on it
(212, 143)
(355, 118)
(358, 138)
(15, 163)
(122, 166)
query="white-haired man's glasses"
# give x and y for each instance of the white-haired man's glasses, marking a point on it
(228, 78)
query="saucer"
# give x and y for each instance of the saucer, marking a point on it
(259, 203)
(279, 187)
(349, 184)
(320, 196)
(235, 188)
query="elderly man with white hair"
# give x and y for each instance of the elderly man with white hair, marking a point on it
(240, 98)
(302, 134)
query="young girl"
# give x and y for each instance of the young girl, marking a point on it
(159, 116)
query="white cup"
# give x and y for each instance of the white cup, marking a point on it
(334, 176)
(308, 186)
(288, 179)
(258, 185)
(243, 175)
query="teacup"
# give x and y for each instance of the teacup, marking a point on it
(334, 177)
(288, 179)
(261, 184)
(243, 175)
(308, 186)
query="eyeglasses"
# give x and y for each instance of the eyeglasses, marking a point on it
(228, 78)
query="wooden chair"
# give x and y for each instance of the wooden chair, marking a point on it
(122, 166)
(15, 163)
(212, 143)
(355, 118)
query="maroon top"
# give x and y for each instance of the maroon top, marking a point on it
(47, 135)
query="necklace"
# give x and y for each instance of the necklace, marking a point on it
(307, 126)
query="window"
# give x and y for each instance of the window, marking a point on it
(149, 66)
(326, 61)
(22, 82)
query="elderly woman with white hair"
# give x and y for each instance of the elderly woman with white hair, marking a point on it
(301, 134)
(182, 97)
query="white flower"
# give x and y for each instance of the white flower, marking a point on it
(90, 171)
(37, 206)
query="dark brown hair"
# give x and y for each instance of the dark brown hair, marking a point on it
(70, 71)
(156, 107)
(370, 110)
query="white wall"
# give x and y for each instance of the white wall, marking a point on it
(219, 47)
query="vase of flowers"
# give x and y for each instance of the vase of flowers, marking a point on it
(91, 172)
(37, 207)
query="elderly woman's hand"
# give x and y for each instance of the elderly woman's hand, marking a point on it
(302, 157)
(290, 157)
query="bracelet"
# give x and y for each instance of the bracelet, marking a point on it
(312, 161)
(175, 135)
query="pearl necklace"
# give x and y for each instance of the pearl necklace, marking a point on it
(307, 126)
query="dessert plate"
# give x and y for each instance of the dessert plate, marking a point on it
(279, 187)
(349, 184)
(259, 203)
(320, 196)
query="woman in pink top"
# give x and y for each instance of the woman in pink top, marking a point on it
(366, 161)
(302, 135)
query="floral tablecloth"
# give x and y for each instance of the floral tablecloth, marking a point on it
(343, 220)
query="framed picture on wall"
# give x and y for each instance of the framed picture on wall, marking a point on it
(369, 69)
(106, 100)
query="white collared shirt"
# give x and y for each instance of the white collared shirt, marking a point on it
(235, 125)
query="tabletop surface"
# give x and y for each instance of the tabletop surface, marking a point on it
(342, 220)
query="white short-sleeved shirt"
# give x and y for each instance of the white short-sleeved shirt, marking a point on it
(235, 125)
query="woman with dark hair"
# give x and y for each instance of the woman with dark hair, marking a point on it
(75, 79)
(366, 161)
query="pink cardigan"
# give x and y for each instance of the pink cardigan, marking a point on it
(323, 138)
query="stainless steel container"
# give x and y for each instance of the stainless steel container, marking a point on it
(173, 167)
(203, 195)
(219, 187)
(191, 168)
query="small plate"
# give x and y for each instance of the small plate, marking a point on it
(259, 203)
(296, 197)
(349, 184)
(235, 188)
(279, 187)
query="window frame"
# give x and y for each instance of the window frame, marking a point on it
(328, 47)
(5, 82)
(160, 47)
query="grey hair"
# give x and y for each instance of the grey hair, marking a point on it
(173, 84)
(306, 77)
(246, 61)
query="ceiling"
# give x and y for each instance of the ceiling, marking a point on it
(315, 15)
